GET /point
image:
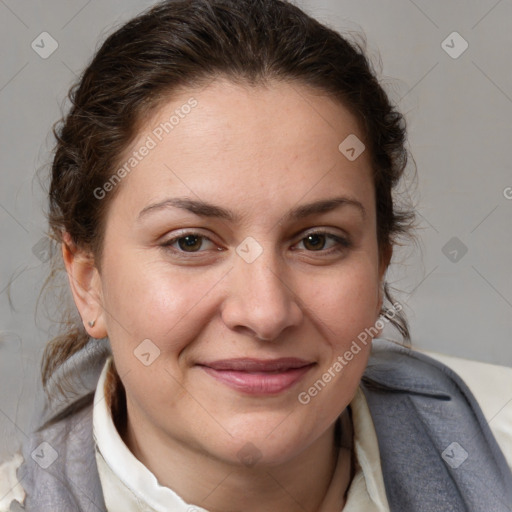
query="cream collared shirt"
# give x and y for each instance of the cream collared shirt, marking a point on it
(129, 486)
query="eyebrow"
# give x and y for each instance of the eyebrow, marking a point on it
(205, 209)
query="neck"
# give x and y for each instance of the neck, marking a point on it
(303, 483)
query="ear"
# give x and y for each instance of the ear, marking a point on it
(384, 260)
(85, 284)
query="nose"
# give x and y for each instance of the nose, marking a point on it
(260, 302)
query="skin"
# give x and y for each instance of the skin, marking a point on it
(259, 152)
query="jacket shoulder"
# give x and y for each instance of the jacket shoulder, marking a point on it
(434, 439)
(60, 465)
(491, 385)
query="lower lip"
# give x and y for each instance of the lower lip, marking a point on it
(262, 383)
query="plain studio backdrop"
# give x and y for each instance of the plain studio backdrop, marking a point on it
(445, 63)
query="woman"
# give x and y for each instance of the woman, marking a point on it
(222, 194)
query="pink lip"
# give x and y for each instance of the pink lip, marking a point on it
(256, 376)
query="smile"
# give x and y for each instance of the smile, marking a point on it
(258, 377)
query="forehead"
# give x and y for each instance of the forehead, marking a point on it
(228, 140)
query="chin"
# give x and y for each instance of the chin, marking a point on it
(268, 440)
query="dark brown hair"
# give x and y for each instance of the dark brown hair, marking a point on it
(186, 43)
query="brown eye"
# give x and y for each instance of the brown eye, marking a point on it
(190, 243)
(314, 242)
(324, 243)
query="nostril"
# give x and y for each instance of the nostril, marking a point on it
(262, 339)
(250, 332)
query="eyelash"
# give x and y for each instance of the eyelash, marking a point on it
(342, 243)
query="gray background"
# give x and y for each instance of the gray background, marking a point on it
(458, 111)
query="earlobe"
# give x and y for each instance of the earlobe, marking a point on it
(85, 283)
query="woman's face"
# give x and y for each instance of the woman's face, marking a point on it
(240, 263)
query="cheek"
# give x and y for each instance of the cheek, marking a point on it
(146, 300)
(348, 306)
(346, 301)
(149, 325)
(345, 307)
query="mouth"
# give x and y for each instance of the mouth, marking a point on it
(258, 376)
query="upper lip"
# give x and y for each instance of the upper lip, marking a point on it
(258, 365)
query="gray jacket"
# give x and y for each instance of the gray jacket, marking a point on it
(437, 451)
